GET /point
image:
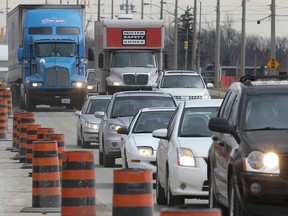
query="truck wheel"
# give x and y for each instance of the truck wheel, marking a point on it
(29, 105)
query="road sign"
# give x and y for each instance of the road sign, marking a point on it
(273, 64)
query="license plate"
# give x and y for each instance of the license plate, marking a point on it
(65, 101)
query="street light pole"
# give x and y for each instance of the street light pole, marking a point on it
(176, 36)
(199, 41)
(112, 9)
(127, 8)
(6, 27)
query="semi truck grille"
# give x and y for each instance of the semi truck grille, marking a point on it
(135, 79)
(61, 75)
(284, 166)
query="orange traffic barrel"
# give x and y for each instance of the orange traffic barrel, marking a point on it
(78, 183)
(46, 186)
(7, 95)
(60, 139)
(31, 137)
(42, 131)
(2, 88)
(25, 119)
(15, 141)
(3, 122)
(133, 192)
(3, 104)
(46, 190)
(184, 210)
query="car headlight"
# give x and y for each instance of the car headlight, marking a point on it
(78, 84)
(260, 162)
(206, 96)
(92, 126)
(145, 150)
(36, 84)
(114, 127)
(185, 157)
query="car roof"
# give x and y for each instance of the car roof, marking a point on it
(203, 103)
(145, 93)
(151, 109)
(100, 97)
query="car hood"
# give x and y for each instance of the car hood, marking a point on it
(125, 121)
(266, 140)
(198, 145)
(91, 119)
(186, 91)
(146, 139)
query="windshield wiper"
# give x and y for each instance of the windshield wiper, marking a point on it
(265, 128)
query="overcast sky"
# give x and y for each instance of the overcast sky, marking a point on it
(255, 10)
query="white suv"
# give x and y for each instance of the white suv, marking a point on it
(184, 85)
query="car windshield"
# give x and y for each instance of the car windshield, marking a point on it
(129, 106)
(97, 105)
(182, 81)
(266, 112)
(194, 121)
(55, 49)
(133, 59)
(150, 121)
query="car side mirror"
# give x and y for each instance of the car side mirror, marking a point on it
(210, 85)
(160, 134)
(78, 113)
(99, 114)
(123, 130)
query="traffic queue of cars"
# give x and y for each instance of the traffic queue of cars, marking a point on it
(232, 152)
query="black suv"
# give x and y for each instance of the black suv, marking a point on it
(248, 158)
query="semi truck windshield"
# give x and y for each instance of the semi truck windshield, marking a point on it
(133, 59)
(55, 49)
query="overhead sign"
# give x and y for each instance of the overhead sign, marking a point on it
(273, 64)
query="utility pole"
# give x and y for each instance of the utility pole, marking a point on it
(127, 7)
(199, 41)
(142, 8)
(176, 36)
(243, 39)
(112, 9)
(161, 9)
(194, 47)
(6, 27)
(99, 2)
(217, 46)
(273, 15)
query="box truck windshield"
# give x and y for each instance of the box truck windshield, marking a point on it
(133, 59)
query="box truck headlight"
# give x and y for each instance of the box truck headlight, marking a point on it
(36, 84)
(78, 84)
(116, 83)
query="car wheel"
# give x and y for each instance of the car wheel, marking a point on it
(172, 200)
(235, 208)
(108, 161)
(160, 192)
(84, 143)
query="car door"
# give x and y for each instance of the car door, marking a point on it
(163, 149)
(222, 142)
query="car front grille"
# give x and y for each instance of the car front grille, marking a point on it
(177, 97)
(284, 166)
(61, 75)
(135, 79)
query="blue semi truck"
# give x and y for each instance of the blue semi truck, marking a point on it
(47, 56)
